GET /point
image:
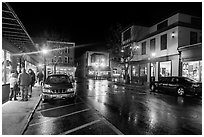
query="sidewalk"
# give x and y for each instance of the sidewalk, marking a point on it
(17, 114)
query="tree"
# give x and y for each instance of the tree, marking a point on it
(116, 49)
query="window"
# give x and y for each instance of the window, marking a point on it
(65, 59)
(68, 59)
(152, 45)
(135, 70)
(143, 48)
(66, 50)
(143, 70)
(165, 69)
(193, 70)
(193, 37)
(60, 59)
(163, 42)
(162, 25)
(127, 34)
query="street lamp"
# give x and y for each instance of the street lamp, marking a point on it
(153, 54)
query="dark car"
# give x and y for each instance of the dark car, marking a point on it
(179, 85)
(58, 86)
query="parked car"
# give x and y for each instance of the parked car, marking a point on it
(58, 86)
(179, 85)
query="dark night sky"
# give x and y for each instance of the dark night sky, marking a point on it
(87, 22)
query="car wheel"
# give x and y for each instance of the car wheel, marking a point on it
(152, 87)
(180, 91)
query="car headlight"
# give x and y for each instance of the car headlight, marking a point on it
(46, 86)
(46, 90)
(70, 89)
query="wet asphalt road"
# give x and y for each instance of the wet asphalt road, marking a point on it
(102, 108)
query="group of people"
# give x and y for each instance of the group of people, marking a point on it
(23, 84)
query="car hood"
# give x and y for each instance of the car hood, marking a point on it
(58, 86)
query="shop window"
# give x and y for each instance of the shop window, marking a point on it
(193, 70)
(163, 42)
(6, 60)
(143, 70)
(135, 70)
(165, 69)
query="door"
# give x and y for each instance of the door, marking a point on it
(173, 84)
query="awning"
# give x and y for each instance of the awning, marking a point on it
(15, 33)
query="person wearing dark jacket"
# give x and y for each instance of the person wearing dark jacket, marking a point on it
(24, 80)
(32, 75)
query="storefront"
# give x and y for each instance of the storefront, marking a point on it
(6, 66)
(191, 61)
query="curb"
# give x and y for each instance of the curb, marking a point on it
(30, 116)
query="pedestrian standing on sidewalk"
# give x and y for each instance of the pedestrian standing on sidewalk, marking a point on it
(24, 82)
(13, 85)
(40, 77)
(32, 75)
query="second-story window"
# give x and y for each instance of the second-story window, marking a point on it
(144, 48)
(193, 37)
(163, 42)
(152, 45)
(65, 59)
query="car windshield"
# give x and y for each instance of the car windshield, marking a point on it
(191, 80)
(57, 79)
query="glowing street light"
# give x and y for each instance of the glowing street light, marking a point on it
(44, 51)
(153, 54)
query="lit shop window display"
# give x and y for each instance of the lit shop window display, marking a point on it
(165, 69)
(192, 69)
(143, 69)
(135, 70)
(6, 66)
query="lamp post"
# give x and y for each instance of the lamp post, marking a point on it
(44, 52)
(152, 65)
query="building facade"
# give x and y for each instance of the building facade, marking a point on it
(60, 58)
(94, 65)
(161, 51)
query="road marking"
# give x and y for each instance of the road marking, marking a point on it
(60, 117)
(117, 131)
(80, 127)
(58, 107)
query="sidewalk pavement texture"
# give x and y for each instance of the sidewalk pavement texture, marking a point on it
(17, 114)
